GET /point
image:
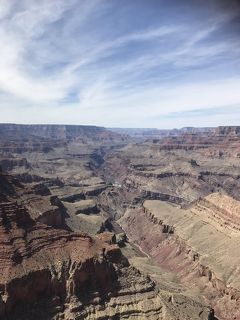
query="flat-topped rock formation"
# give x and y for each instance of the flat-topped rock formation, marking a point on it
(17, 139)
(141, 134)
(8, 163)
(221, 210)
(227, 130)
(50, 273)
(199, 244)
(218, 142)
(58, 132)
(177, 174)
(67, 185)
(86, 207)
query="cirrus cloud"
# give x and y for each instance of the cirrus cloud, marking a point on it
(99, 62)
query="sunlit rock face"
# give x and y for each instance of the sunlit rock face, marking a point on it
(52, 273)
(172, 204)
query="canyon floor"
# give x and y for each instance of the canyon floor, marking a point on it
(103, 224)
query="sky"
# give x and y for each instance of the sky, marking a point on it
(120, 63)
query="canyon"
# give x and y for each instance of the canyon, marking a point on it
(100, 223)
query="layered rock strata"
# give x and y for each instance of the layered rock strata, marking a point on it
(200, 245)
(48, 273)
(54, 274)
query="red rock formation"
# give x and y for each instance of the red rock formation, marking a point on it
(48, 273)
(218, 142)
(36, 260)
(196, 265)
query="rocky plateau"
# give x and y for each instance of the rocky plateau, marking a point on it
(100, 223)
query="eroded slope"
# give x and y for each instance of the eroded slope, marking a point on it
(199, 244)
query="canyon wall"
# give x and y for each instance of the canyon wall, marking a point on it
(196, 245)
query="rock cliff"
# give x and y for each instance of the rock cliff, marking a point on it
(67, 185)
(59, 132)
(49, 273)
(199, 244)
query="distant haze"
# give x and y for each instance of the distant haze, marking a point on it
(143, 63)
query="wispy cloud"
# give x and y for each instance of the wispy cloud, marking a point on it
(206, 112)
(98, 62)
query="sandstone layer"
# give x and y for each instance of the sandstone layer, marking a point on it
(200, 245)
(68, 185)
(48, 273)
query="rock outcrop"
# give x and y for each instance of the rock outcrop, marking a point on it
(220, 210)
(59, 132)
(69, 184)
(48, 273)
(200, 244)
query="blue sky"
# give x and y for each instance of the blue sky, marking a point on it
(141, 63)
